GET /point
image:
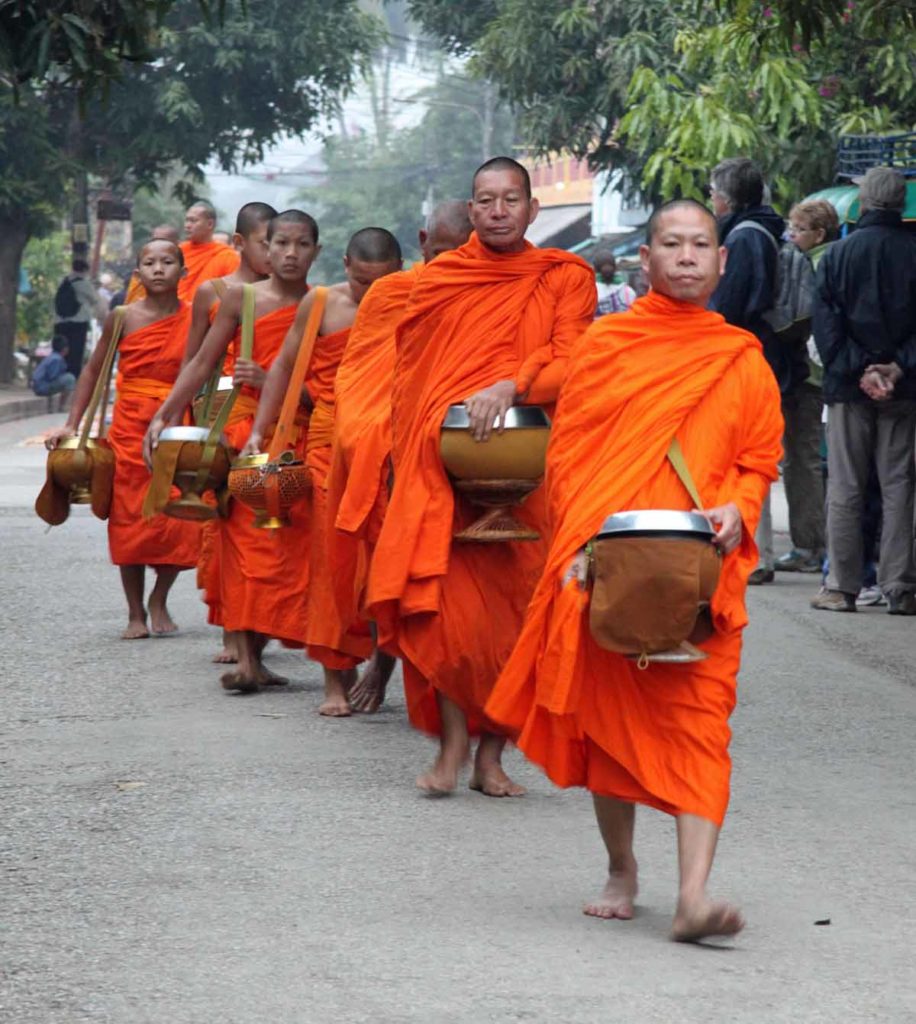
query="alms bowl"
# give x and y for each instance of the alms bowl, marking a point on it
(518, 453)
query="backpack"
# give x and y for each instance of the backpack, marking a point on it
(793, 289)
(66, 301)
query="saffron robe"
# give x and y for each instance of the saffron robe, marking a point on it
(148, 363)
(452, 613)
(360, 457)
(590, 717)
(328, 640)
(203, 263)
(263, 573)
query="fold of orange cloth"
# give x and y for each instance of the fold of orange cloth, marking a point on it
(590, 717)
(148, 363)
(203, 262)
(358, 476)
(333, 643)
(263, 572)
(474, 317)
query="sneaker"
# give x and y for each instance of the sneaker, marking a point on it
(901, 604)
(797, 561)
(759, 576)
(870, 597)
(833, 601)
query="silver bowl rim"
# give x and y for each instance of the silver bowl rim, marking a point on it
(656, 520)
(185, 433)
(519, 416)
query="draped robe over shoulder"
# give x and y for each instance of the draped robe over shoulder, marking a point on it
(453, 612)
(203, 262)
(263, 573)
(148, 363)
(360, 456)
(337, 645)
(588, 716)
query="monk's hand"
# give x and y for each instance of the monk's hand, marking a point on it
(252, 445)
(726, 521)
(578, 570)
(488, 407)
(876, 386)
(151, 439)
(54, 438)
(249, 373)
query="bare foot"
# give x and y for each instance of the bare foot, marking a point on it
(616, 899)
(442, 778)
(335, 707)
(267, 678)
(239, 682)
(368, 693)
(703, 919)
(491, 780)
(225, 657)
(136, 630)
(160, 620)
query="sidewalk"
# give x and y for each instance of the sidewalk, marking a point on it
(18, 402)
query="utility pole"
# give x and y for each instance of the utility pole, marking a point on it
(487, 120)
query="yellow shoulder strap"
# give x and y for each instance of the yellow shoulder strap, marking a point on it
(676, 457)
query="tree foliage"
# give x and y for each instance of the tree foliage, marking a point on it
(665, 88)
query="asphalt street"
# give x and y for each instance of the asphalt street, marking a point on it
(172, 854)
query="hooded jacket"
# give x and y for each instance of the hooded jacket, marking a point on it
(748, 289)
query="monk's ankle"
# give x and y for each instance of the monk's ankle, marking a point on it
(623, 866)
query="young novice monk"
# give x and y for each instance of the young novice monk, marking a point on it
(371, 254)
(149, 353)
(250, 241)
(262, 579)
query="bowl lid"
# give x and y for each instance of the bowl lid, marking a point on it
(185, 434)
(653, 520)
(518, 416)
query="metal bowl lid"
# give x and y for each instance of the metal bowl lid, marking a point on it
(653, 520)
(185, 434)
(283, 460)
(225, 384)
(518, 416)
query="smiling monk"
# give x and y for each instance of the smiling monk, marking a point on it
(490, 324)
(657, 736)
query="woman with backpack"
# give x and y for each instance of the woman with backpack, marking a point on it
(75, 304)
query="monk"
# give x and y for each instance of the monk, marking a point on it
(361, 453)
(135, 289)
(589, 717)
(372, 253)
(149, 355)
(204, 258)
(491, 325)
(250, 242)
(262, 572)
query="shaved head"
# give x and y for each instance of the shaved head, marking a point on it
(251, 216)
(374, 245)
(294, 217)
(675, 204)
(504, 163)
(206, 207)
(157, 243)
(448, 227)
(165, 231)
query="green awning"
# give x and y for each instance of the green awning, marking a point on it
(845, 200)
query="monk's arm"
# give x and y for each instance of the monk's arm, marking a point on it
(277, 380)
(539, 378)
(761, 449)
(200, 321)
(84, 387)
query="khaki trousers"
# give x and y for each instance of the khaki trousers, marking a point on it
(858, 432)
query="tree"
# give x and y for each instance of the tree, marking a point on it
(209, 89)
(45, 263)
(663, 89)
(385, 178)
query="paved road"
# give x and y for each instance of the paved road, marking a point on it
(174, 855)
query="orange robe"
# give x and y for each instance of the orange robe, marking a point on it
(328, 640)
(208, 564)
(148, 363)
(453, 612)
(360, 459)
(135, 289)
(263, 573)
(203, 263)
(588, 716)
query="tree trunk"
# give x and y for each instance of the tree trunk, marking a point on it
(13, 236)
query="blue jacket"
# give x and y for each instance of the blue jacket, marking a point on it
(47, 371)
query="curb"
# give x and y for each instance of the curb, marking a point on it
(22, 408)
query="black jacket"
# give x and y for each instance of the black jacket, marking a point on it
(865, 306)
(747, 289)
